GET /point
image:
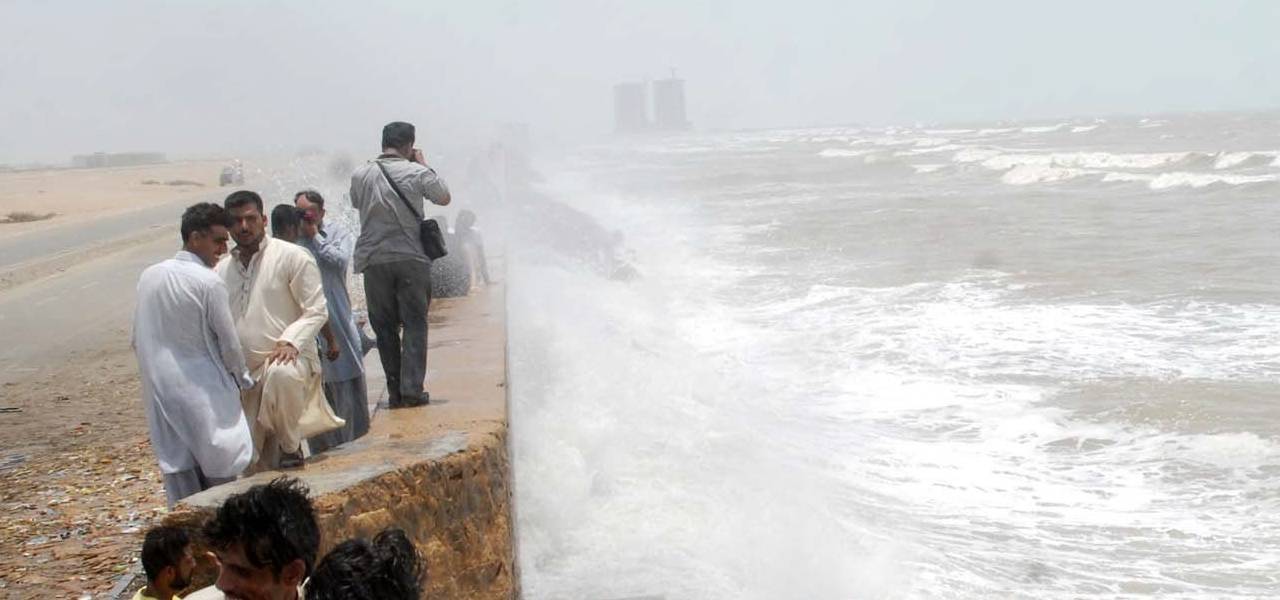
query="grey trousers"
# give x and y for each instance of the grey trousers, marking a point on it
(397, 295)
(192, 481)
(350, 401)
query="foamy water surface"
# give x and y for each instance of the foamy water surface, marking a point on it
(1034, 360)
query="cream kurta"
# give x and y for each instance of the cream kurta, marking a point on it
(278, 297)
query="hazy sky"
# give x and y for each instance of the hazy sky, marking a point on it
(224, 77)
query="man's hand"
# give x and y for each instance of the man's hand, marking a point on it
(333, 353)
(418, 157)
(284, 353)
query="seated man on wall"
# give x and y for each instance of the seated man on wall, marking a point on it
(450, 274)
(471, 246)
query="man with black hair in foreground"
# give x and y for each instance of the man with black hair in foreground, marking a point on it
(389, 568)
(190, 361)
(265, 540)
(168, 563)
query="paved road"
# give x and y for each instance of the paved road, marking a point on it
(88, 306)
(82, 309)
(43, 243)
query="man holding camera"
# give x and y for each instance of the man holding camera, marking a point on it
(343, 356)
(397, 272)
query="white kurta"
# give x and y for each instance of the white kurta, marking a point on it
(278, 297)
(192, 369)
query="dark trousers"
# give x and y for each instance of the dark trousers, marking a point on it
(397, 295)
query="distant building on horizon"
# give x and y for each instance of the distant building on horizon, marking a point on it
(629, 114)
(631, 101)
(668, 104)
(119, 159)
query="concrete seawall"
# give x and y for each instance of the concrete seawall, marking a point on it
(440, 472)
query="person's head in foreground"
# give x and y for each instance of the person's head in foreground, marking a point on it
(265, 539)
(205, 231)
(286, 222)
(167, 561)
(389, 568)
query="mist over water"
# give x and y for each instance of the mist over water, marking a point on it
(1006, 360)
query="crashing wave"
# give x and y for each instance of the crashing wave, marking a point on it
(1029, 174)
(1229, 160)
(1043, 128)
(1164, 181)
(998, 161)
(843, 153)
(1083, 128)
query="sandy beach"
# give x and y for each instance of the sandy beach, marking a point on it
(75, 195)
(78, 476)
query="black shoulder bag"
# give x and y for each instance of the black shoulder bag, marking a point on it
(428, 230)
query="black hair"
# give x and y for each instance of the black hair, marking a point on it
(465, 220)
(163, 547)
(274, 523)
(312, 196)
(241, 198)
(202, 217)
(389, 568)
(284, 216)
(398, 135)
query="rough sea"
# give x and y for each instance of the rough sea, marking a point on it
(1007, 360)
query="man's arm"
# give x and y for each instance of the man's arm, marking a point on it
(330, 251)
(430, 185)
(307, 291)
(356, 199)
(218, 312)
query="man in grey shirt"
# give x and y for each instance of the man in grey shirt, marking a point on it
(397, 274)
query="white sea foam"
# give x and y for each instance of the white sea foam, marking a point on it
(1087, 160)
(975, 154)
(1043, 128)
(1083, 128)
(1028, 174)
(746, 421)
(1178, 179)
(928, 168)
(931, 142)
(1228, 160)
(931, 150)
(843, 153)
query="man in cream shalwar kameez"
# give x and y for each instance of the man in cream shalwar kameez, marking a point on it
(190, 362)
(278, 304)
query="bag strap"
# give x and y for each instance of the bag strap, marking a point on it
(397, 190)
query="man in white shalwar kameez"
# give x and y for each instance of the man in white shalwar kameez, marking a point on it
(278, 304)
(191, 365)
